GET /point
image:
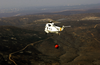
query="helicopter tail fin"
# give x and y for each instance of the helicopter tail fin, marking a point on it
(62, 28)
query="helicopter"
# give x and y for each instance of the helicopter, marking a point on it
(50, 27)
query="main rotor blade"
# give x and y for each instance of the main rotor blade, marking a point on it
(61, 19)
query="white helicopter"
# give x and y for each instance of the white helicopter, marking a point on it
(51, 28)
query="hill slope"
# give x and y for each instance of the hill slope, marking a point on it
(78, 45)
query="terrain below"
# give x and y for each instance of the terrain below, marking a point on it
(28, 44)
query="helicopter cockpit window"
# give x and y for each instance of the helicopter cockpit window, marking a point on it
(49, 25)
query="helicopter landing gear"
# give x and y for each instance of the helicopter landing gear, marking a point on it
(58, 33)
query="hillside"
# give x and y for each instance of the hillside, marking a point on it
(25, 40)
(79, 44)
(31, 21)
(74, 11)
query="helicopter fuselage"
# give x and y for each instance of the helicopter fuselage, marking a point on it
(51, 28)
